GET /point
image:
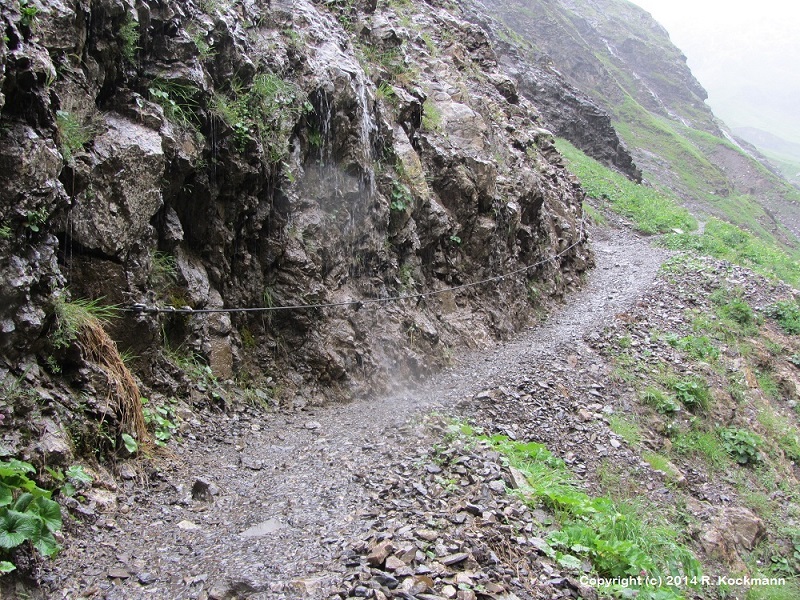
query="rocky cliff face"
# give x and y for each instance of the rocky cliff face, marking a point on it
(568, 111)
(211, 154)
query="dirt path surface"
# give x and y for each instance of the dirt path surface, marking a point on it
(288, 495)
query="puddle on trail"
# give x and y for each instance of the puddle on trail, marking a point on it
(264, 528)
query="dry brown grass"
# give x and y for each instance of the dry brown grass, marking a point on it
(123, 394)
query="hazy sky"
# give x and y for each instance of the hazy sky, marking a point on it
(746, 55)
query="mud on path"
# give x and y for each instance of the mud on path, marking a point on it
(288, 493)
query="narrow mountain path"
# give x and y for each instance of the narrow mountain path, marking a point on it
(287, 494)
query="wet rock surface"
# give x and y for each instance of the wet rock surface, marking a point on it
(275, 154)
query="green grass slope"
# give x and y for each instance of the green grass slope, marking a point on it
(653, 211)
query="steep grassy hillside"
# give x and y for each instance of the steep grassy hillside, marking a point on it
(621, 57)
(653, 211)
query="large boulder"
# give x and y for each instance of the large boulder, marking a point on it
(122, 190)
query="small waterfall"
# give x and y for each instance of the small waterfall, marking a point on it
(326, 114)
(341, 174)
(367, 127)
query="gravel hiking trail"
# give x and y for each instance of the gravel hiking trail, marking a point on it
(287, 494)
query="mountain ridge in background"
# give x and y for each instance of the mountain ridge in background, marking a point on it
(620, 56)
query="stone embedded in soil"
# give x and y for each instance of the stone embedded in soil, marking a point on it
(118, 574)
(251, 463)
(203, 490)
(127, 472)
(309, 586)
(453, 559)
(393, 563)
(497, 486)
(380, 553)
(427, 534)
(146, 578)
(449, 591)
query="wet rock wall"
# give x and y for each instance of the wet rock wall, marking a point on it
(259, 154)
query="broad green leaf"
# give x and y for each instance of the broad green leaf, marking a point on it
(16, 527)
(130, 444)
(77, 473)
(6, 497)
(18, 465)
(558, 538)
(48, 511)
(570, 562)
(56, 474)
(44, 542)
(21, 505)
(6, 567)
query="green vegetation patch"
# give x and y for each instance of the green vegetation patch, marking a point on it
(704, 444)
(698, 347)
(626, 429)
(651, 211)
(741, 444)
(693, 392)
(619, 539)
(729, 242)
(662, 402)
(27, 514)
(265, 112)
(689, 165)
(72, 316)
(74, 133)
(787, 314)
(654, 212)
(178, 100)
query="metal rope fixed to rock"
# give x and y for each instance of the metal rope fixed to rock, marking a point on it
(144, 309)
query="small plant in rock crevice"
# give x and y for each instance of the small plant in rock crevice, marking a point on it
(74, 133)
(204, 49)
(129, 39)
(401, 197)
(431, 116)
(71, 480)
(264, 111)
(179, 102)
(741, 444)
(161, 419)
(28, 14)
(35, 219)
(80, 323)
